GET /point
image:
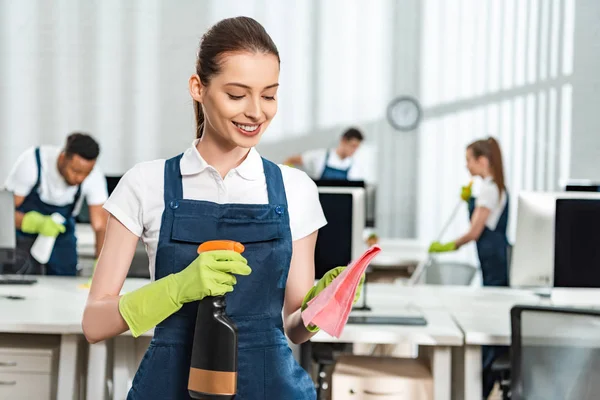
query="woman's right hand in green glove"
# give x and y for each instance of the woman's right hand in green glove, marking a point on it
(465, 192)
(212, 273)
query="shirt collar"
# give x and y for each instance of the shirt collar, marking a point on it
(192, 163)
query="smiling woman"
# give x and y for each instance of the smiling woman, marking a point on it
(218, 189)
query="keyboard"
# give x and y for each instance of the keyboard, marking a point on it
(4, 280)
(387, 320)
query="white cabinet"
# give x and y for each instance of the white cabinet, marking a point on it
(28, 367)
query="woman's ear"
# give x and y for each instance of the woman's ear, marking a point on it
(196, 88)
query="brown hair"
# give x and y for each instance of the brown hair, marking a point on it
(228, 36)
(490, 149)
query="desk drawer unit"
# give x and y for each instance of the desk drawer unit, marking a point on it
(28, 367)
(380, 378)
(19, 386)
(25, 360)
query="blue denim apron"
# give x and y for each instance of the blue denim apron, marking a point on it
(330, 173)
(492, 248)
(266, 367)
(63, 260)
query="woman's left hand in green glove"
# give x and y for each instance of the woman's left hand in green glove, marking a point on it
(437, 247)
(322, 284)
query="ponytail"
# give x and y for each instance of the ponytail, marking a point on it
(199, 119)
(496, 164)
(490, 149)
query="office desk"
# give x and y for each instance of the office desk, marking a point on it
(53, 306)
(440, 335)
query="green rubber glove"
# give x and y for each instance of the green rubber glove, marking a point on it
(34, 222)
(322, 284)
(210, 274)
(466, 192)
(437, 247)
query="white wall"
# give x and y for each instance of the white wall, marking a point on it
(119, 70)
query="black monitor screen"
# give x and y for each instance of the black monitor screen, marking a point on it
(339, 183)
(111, 183)
(84, 216)
(583, 188)
(577, 243)
(334, 241)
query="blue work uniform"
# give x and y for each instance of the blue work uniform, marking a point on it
(330, 173)
(63, 260)
(266, 367)
(492, 249)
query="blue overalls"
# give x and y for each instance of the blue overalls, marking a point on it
(492, 248)
(266, 367)
(334, 173)
(63, 260)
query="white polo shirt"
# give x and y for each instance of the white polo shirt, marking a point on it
(313, 163)
(138, 203)
(54, 190)
(489, 198)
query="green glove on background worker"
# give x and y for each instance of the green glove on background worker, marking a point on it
(322, 284)
(437, 247)
(210, 274)
(33, 222)
(466, 192)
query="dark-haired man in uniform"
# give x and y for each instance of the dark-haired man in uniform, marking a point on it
(50, 179)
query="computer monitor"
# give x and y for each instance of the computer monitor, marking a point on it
(341, 240)
(84, 216)
(577, 243)
(582, 188)
(8, 235)
(532, 261)
(339, 183)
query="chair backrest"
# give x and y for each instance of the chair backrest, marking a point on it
(435, 272)
(555, 353)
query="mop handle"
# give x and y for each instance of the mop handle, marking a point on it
(449, 221)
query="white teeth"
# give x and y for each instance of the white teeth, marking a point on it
(247, 128)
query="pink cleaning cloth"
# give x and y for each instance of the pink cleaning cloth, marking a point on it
(329, 310)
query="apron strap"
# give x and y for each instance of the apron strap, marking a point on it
(39, 169)
(173, 186)
(275, 186)
(75, 200)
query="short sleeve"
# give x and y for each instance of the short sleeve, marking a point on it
(23, 175)
(313, 162)
(94, 188)
(489, 196)
(126, 201)
(306, 213)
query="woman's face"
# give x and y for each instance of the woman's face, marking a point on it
(476, 165)
(240, 101)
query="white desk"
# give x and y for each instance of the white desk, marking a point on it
(440, 334)
(482, 314)
(456, 315)
(53, 306)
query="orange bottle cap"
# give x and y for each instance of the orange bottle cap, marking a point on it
(221, 245)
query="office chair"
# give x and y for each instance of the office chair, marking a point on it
(436, 272)
(555, 353)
